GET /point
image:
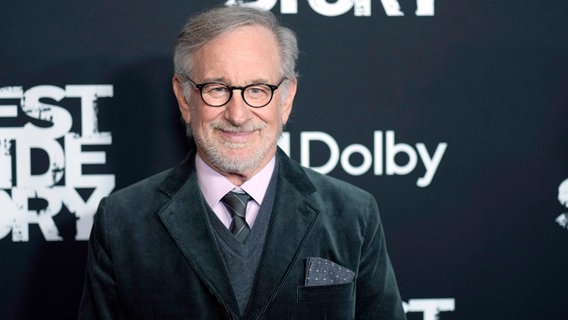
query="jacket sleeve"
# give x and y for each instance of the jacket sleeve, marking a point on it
(377, 291)
(100, 295)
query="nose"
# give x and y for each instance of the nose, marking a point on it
(237, 112)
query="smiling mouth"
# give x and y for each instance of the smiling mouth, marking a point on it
(237, 132)
(237, 136)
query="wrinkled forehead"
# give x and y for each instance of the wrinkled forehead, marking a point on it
(247, 51)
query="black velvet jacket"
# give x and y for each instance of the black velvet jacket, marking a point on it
(152, 253)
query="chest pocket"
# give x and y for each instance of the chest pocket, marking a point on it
(326, 302)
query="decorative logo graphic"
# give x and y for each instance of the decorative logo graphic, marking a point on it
(430, 308)
(361, 8)
(381, 158)
(562, 219)
(50, 158)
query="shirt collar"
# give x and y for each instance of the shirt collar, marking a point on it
(214, 185)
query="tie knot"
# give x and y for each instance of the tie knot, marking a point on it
(236, 203)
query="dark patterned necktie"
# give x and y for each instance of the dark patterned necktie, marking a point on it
(237, 205)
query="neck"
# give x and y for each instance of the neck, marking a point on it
(240, 177)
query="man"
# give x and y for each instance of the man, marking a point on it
(238, 230)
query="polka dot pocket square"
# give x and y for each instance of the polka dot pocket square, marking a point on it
(323, 272)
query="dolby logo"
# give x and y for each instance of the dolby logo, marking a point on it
(381, 158)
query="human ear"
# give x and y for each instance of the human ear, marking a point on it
(287, 105)
(180, 97)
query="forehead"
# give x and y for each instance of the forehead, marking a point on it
(246, 53)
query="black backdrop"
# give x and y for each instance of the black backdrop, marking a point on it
(481, 82)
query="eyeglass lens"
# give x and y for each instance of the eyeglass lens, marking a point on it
(218, 94)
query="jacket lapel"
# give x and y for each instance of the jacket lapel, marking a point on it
(293, 216)
(186, 220)
(292, 219)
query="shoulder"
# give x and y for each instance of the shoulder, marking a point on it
(134, 195)
(326, 192)
(340, 205)
(152, 191)
(307, 180)
(133, 205)
(327, 183)
(333, 190)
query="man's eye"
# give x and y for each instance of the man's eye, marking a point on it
(215, 89)
(257, 90)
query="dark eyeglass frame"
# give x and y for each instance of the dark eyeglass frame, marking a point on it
(243, 89)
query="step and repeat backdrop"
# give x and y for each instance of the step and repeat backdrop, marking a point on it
(454, 114)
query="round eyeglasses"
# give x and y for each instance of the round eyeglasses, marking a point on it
(218, 94)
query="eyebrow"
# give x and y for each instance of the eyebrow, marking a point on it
(224, 81)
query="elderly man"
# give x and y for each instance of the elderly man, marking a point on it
(238, 230)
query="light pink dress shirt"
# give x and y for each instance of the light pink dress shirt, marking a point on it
(214, 186)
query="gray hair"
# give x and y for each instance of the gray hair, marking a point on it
(208, 25)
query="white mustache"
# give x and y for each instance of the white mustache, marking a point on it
(249, 127)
